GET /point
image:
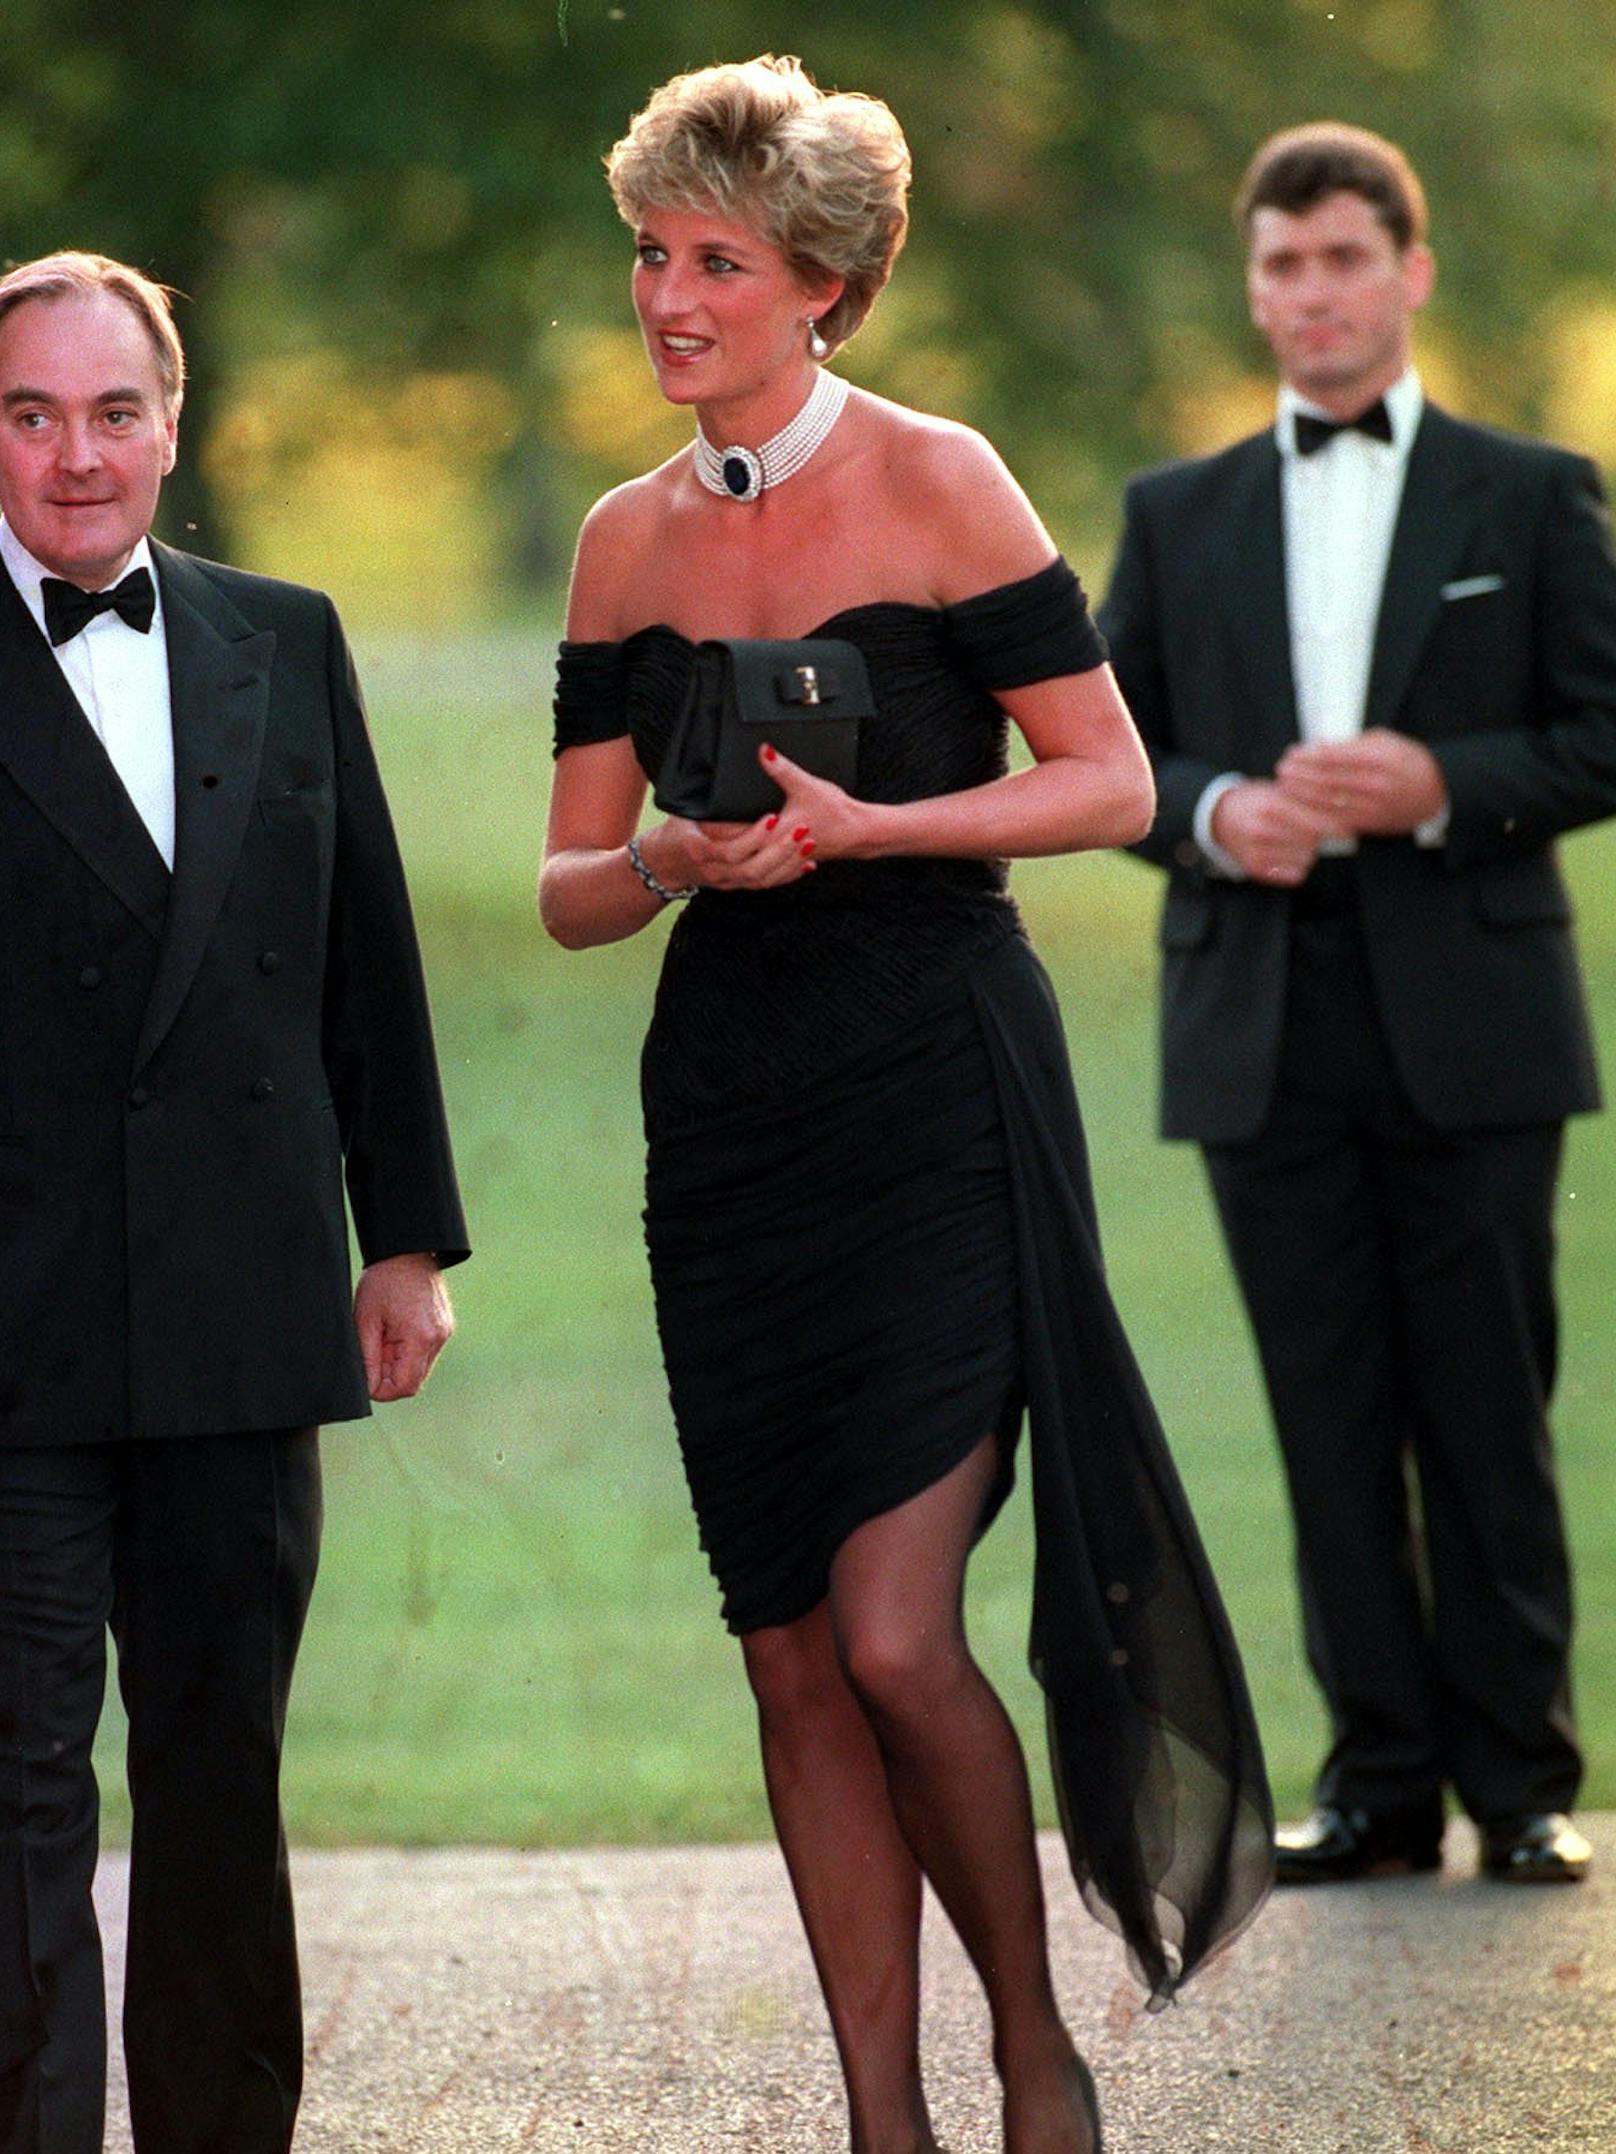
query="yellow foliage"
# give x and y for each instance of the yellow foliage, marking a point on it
(1208, 403)
(1452, 378)
(1028, 91)
(608, 406)
(374, 489)
(1205, 402)
(907, 348)
(1581, 405)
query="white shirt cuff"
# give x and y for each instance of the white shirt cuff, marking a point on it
(1220, 862)
(1434, 830)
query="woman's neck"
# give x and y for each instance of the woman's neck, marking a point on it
(749, 421)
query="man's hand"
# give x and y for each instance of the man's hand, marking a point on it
(1273, 838)
(403, 1317)
(1381, 785)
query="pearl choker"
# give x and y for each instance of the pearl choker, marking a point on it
(742, 474)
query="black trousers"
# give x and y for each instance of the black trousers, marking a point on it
(199, 1554)
(1399, 1282)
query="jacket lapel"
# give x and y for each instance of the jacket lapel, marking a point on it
(54, 754)
(1255, 570)
(1442, 497)
(219, 687)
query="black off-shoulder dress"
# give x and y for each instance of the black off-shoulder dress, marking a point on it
(872, 1240)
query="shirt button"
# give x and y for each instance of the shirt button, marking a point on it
(139, 1096)
(90, 976)
(270, 961)
(263, 1088)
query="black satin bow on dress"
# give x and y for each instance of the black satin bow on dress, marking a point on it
(1312, 432)
(68, 608)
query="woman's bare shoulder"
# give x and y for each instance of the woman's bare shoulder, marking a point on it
(924, 448)
(957, 502)
(621, 533)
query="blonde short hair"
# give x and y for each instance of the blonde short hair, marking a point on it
(824, 176)
(74, 275)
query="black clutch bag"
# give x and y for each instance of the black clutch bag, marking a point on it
(804, 698)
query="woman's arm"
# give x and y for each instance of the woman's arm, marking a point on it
(1090, 785)
(589, 891)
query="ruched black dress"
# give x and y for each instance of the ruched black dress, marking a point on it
(872, 1241)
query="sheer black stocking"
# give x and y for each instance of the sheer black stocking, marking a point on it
(856, 1882)
(887, 1754)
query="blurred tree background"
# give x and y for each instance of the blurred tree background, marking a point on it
(405, 285)
(414, 364)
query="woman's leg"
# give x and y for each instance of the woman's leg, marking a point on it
(855, 1879)
(958, 1782)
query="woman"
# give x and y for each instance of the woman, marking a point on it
(867, 1204)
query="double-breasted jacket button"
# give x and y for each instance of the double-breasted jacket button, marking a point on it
(269, 961)
(90, 976)
(263, 1088)
(139, 1096)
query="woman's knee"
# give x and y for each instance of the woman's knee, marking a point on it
(793, 1670)
(903, 1674)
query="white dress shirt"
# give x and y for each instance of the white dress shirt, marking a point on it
(120, 679)
(1339, 508)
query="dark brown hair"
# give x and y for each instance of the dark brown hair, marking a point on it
(1296, 170)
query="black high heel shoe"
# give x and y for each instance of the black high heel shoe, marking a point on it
(1091, 2102)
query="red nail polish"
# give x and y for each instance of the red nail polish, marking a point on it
(800, 832)
(773, 819)
(809, 866)
(768, 753)
(807, 847)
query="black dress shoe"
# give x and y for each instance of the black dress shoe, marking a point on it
(1544, 1848)
(1333, 1846)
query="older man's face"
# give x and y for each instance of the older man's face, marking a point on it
(85, 438)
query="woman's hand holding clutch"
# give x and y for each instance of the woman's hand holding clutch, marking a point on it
(816, 820)
(775, 850)
(822, 819)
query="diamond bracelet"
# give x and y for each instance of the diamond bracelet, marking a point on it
(636, 860)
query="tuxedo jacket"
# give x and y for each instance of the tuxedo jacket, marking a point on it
(188, 1062)
(1496, 647)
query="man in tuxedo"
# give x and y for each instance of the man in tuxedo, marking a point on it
(1373, 653)
(210, 1002)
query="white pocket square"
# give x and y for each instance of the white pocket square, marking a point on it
(1472, 586)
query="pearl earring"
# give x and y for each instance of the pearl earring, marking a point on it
(817, 347)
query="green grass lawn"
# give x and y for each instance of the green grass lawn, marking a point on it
(515, 1637)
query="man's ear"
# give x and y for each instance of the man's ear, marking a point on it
(1419, 275)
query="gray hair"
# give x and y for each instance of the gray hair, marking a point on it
(74, 275)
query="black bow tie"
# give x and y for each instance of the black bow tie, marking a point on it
(1312, 433)
(68, 609)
